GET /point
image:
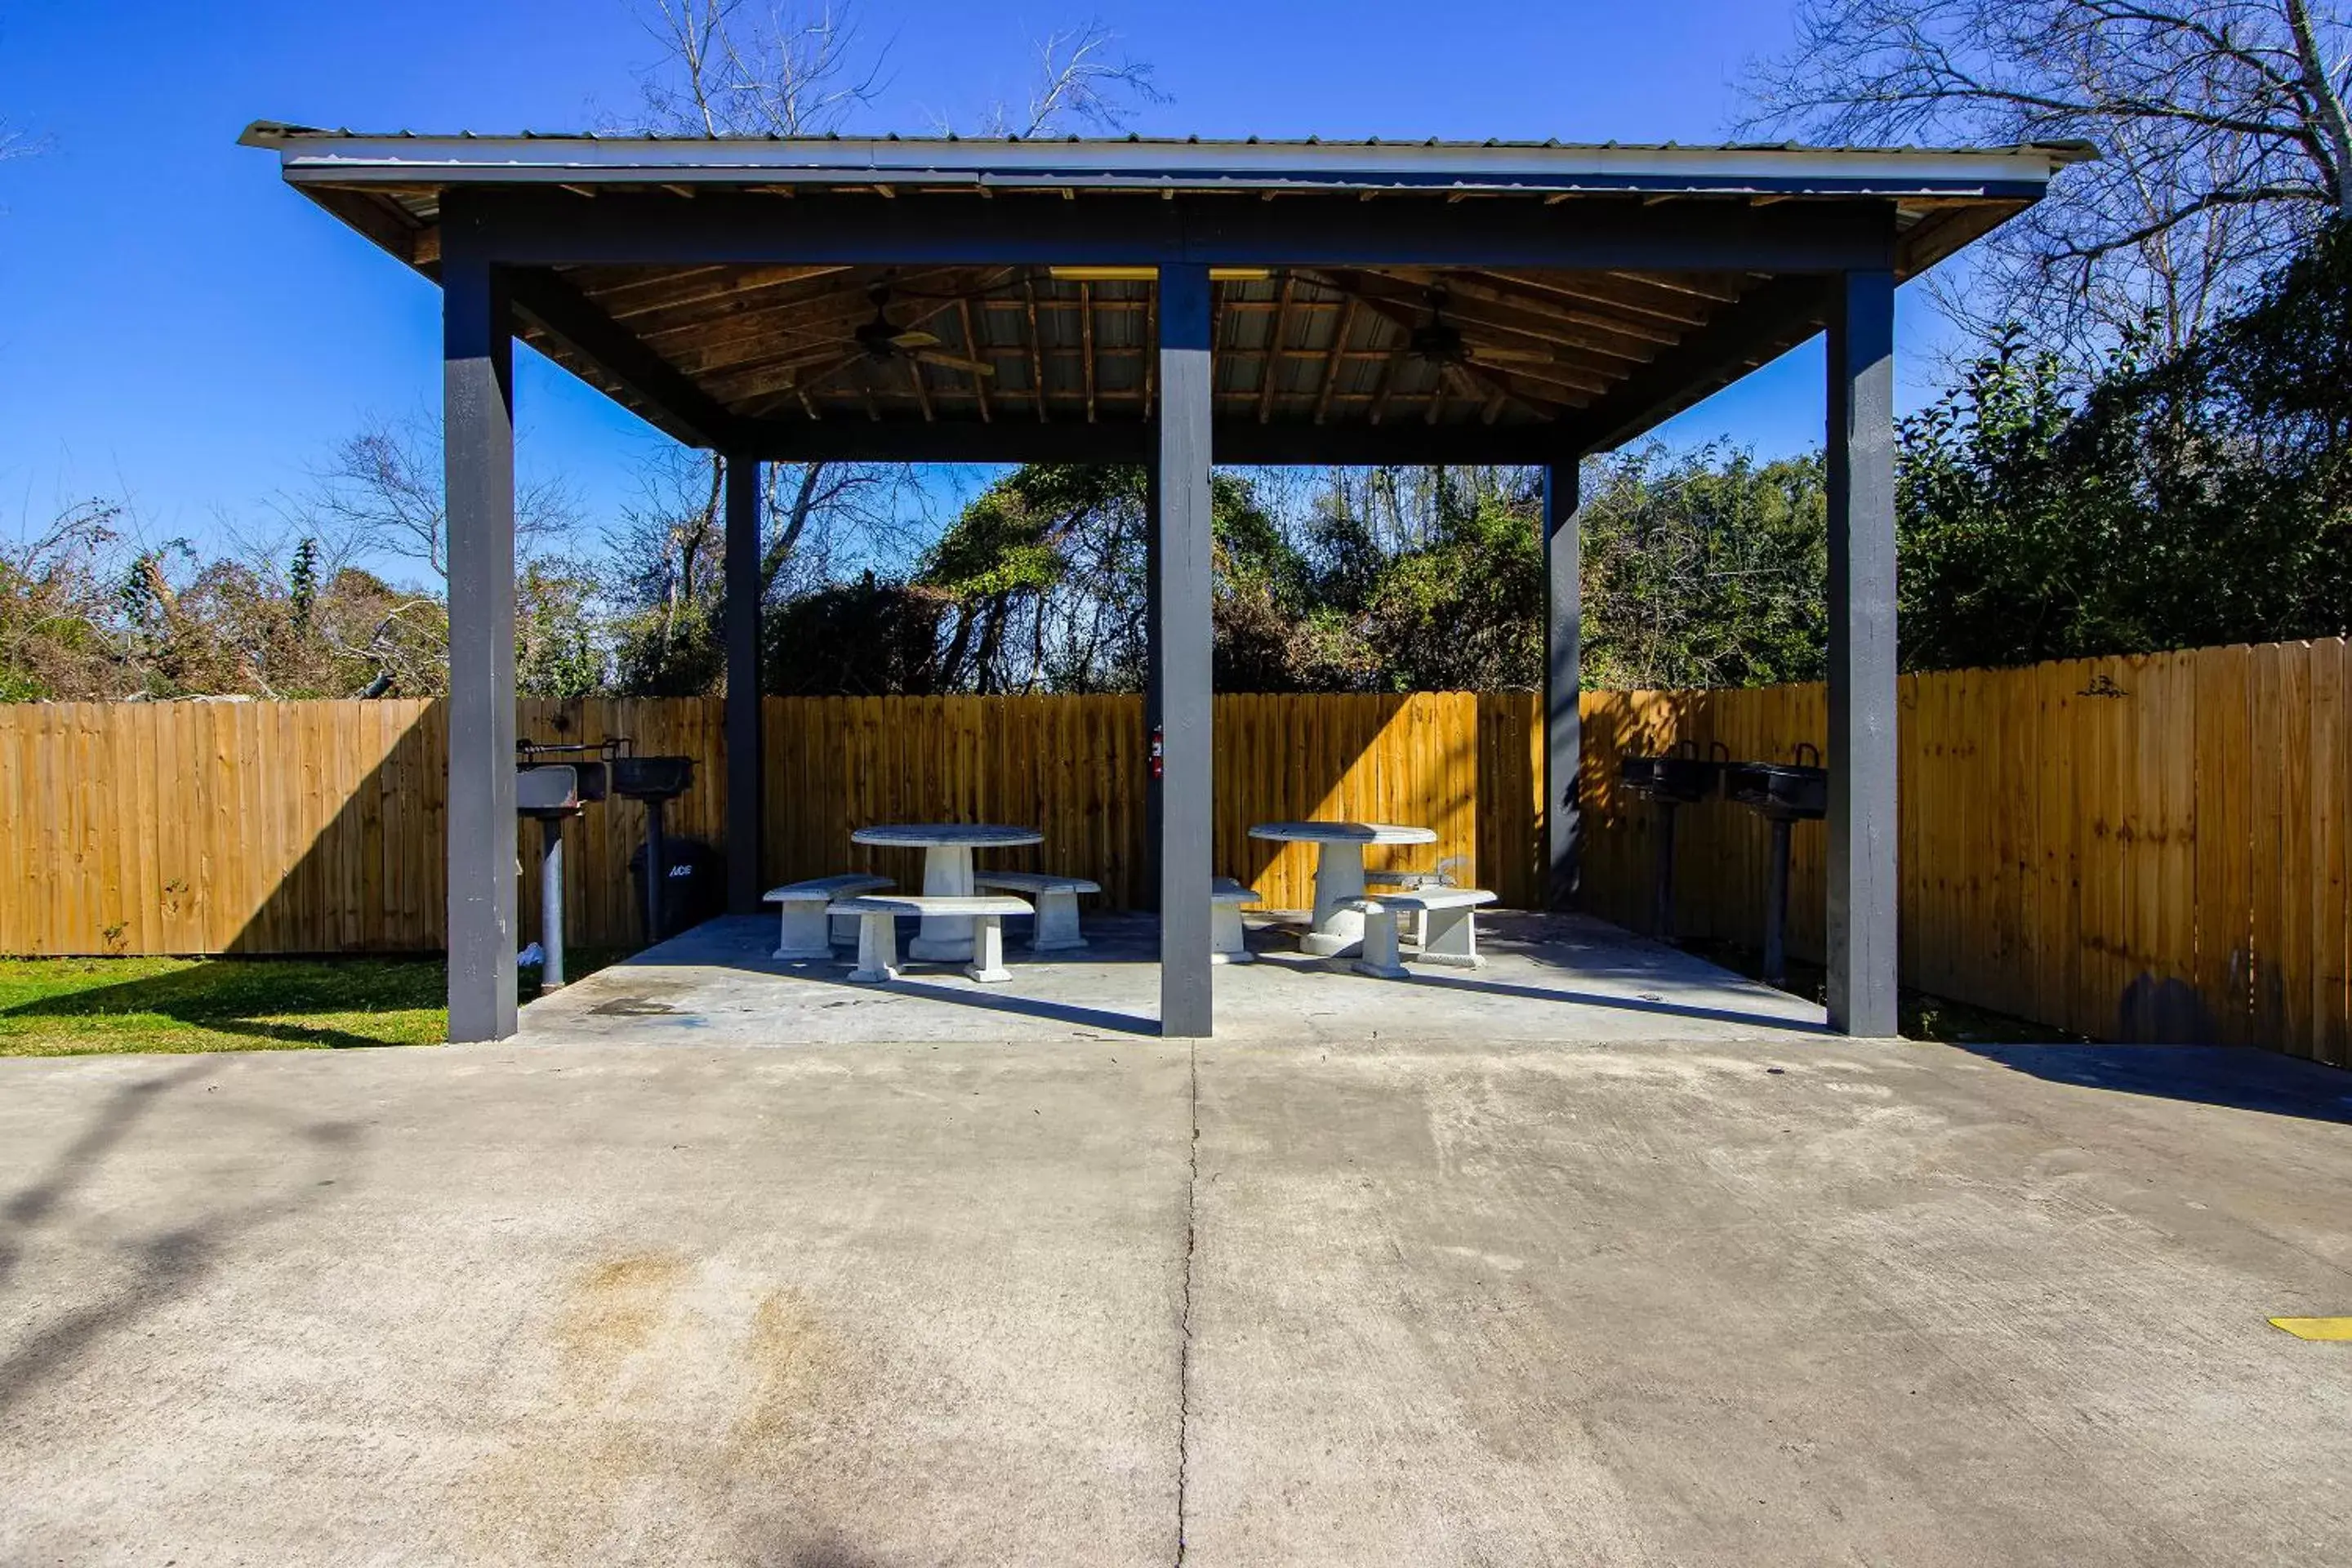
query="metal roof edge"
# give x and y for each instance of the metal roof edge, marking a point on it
(839, 151)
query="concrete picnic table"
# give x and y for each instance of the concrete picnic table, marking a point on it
(1339, 874)
(947, 874)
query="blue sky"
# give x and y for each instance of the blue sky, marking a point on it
(184, 331)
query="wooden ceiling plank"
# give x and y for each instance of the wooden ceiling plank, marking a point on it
(923, 394)
(1690, 283)
(1270, 362)
(717, 321)
(1335, 358)
(1406, 318)
(1036, 358)
(971, 350)
(1596, 288)
(1542, 333)
(697, 285)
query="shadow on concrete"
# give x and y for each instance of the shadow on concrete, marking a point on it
(1422, 979)
(162, 1265)
(990, 1001)
(2237, 1077)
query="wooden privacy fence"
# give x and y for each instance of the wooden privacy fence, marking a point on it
(258, 827)
(2137, 848)
(2149, 849)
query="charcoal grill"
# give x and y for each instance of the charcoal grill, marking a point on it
(550, 794)
(1681, 778)
(652, 782)
(1782, 793)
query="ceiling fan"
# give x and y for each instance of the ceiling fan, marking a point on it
(882, 339)
(1441, 342)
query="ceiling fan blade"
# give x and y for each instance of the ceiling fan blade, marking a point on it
(914, 337)
(1508, 356)
(976, 367)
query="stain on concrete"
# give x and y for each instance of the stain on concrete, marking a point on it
(614, 1313)
(789, 1355)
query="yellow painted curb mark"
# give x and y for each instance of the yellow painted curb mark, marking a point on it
(2316, 1328)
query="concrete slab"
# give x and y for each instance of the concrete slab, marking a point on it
(624, 1305)
(1805, 1304)
(1548, 977)
(1766, 1299)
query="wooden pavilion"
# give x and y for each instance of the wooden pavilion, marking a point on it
(1170, 304)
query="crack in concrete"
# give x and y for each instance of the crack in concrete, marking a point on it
(1184, 1338)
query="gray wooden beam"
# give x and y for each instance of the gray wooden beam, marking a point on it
(1766, 323)
(745, 755)
(1563, 682)
(1182, 667)
(477, 422)
(670, 398)
(1861, 672)
(541, 227)
(1121, 438)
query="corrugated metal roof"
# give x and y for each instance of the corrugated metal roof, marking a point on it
(269, 131)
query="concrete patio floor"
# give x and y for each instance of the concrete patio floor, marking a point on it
(1547, 977)
(1761, 1297)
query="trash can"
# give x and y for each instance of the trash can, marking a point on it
(694, 883)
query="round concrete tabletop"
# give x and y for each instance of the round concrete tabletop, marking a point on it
(946, 835)
(1342, 833)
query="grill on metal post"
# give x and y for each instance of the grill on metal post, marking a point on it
(553, 792)
(1670, 783)
(652, 782)
(1784, 795)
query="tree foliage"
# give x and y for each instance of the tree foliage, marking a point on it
(2179, 500)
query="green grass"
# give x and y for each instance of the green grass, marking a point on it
(66, 1006)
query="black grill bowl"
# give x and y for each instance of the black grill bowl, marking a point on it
(652, 778)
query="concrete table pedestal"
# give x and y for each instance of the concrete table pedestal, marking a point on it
(947, 874)
(1336, 929)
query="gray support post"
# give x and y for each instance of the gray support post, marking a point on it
(1151, 787)
(1862, 701)
(1563, 680)
(477, 441)
(1180, 667)
(746, 758)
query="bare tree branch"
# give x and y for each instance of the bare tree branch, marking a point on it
(2224, 124)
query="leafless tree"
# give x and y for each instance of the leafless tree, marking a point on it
(381, 494)
(1080, 79)
(803, 68)
(734, 68)
(2222, 123)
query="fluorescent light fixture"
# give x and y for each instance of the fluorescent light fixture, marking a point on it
(1151, 274)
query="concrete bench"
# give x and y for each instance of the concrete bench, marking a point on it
(1056, 928)
(1404, 881)
(877, 931)
(1228, 939)
(804, 932)
(1450, 930)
